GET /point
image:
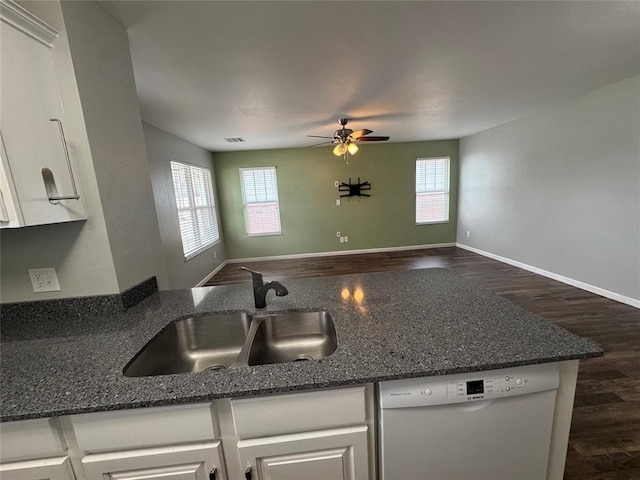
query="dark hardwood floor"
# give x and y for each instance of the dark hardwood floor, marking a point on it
(605, 430)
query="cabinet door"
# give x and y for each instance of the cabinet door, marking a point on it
(338, 454)
(184, 462)
(32, 141)
(58, 468)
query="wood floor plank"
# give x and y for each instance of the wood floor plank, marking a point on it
(605, 429)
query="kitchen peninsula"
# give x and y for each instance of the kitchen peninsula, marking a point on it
(417, 323)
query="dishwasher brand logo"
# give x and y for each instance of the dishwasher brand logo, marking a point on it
(400, 394)
(475, 397)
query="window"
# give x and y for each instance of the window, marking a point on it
(432, 190)
(196, 208)
(260, 201)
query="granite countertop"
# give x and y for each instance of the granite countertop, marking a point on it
(407, 324)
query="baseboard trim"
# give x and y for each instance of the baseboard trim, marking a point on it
(341, 252)
(561, 278)
(208, 277)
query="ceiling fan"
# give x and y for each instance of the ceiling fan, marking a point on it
(346, 140)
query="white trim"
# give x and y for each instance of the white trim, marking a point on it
(342, 252)
(569, 281)
(208, 277)
(20, 18)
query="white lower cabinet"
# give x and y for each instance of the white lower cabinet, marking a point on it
(169, 443)
(338, 454)
(58, 468)
(316, 435)
(183, 462)
(33, 450)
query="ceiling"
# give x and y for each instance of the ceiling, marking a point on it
(274, 72)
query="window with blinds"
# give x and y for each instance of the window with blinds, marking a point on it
(196, 208)
(260, 201)
(432, 190)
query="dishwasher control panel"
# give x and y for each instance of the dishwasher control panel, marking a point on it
(468, 387)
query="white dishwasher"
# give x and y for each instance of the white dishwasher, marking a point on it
(493, 425)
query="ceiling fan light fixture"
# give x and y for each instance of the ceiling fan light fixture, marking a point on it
(352, 147)
(340, 149)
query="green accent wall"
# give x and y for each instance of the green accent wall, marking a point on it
(308, 212)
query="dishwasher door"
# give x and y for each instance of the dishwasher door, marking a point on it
(442, 428)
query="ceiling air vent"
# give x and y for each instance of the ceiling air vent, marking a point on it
(235, 140)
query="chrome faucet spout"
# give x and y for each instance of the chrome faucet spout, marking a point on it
(260, 288)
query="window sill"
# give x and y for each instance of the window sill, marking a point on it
(275, 234)
(432, 223)
(202, 249)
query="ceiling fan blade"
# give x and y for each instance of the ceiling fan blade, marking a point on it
(373, 139)
(361, 133)
(318, 144)
(318, 136)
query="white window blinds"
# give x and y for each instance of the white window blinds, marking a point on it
(260, 201)
(196, 208)
(432, 190)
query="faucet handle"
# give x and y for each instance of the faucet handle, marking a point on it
(249, 270)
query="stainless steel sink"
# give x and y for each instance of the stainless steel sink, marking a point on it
(192, 345)
(234, 340)
(288, 337)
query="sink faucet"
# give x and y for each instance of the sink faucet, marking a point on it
(260, 288)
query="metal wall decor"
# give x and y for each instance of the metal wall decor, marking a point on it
(354, 189)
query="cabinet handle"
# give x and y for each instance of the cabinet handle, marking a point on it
(54, 198)
(213, 474)
(247, 473)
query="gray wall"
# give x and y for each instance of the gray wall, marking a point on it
(79, 251)
(118, 246)
(560, 190)
(104, 72)
(162, 147)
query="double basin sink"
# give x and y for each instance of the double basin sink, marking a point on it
(226, 340)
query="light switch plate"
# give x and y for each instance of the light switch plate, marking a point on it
(44, 279)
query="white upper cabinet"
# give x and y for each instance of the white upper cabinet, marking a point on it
(38, 180)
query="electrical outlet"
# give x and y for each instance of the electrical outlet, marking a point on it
(468, 233)
(346, 239)
(44, 279)
(341, 239)
(336, 184)
(338, 234)
(338, 202)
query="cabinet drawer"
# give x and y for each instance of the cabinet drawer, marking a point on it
(187, 462)
(298, 412)
(30, 439)
(143, 427)
(58, 468)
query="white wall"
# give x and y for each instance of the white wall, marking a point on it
(162, 147)
(560, 190)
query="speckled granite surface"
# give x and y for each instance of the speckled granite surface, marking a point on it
(79, 306)
(408, 324)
